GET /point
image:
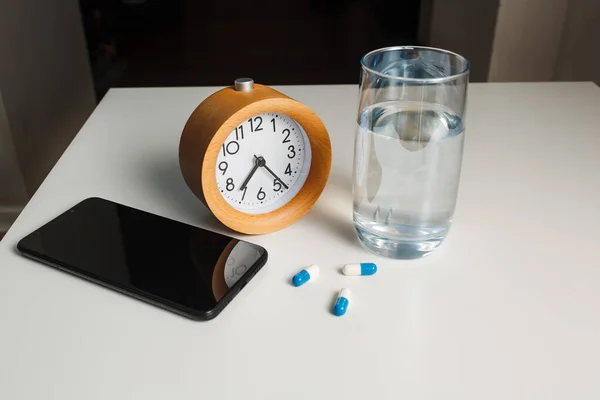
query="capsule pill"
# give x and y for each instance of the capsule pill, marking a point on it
(306, 275)
(342, 302)
(359, 269)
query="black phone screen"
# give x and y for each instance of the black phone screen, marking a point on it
(146, 254)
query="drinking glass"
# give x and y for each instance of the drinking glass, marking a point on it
(408, 148)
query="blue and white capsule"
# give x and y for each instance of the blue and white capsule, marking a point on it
(306, 275)
(342, 302)
(359, 269)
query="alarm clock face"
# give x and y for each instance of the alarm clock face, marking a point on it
(263, 163)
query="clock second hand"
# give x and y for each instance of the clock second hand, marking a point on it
(272, 173)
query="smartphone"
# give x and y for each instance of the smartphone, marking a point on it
(188, 270)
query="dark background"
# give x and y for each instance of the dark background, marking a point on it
(136, 43)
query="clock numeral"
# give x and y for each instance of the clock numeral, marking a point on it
(288, 170)
(261, 195)
(292, 151)
(273, 122)
(230, 186)
(287, 137)
(223, 166)
(276, 185)
(258, 128)
(240, 133)
(231, 148)
(244, 194)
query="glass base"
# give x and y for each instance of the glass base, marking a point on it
(409, 249)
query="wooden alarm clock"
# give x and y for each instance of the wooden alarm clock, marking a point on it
(256, 158)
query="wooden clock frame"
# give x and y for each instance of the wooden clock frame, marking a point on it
(207, 129)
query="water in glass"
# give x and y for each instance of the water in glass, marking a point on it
(407, 168)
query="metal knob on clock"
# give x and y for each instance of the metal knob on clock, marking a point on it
(243, 84)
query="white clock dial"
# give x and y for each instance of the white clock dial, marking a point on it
(263, 163)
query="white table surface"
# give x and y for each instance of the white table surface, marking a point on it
(508, 308)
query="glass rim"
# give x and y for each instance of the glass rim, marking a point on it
(464, 72)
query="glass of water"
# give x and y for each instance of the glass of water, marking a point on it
(408, 148)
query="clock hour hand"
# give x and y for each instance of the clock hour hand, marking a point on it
(275, 176)
(257, 163)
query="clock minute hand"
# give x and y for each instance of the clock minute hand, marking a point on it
(276, 177)
(250, 175)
